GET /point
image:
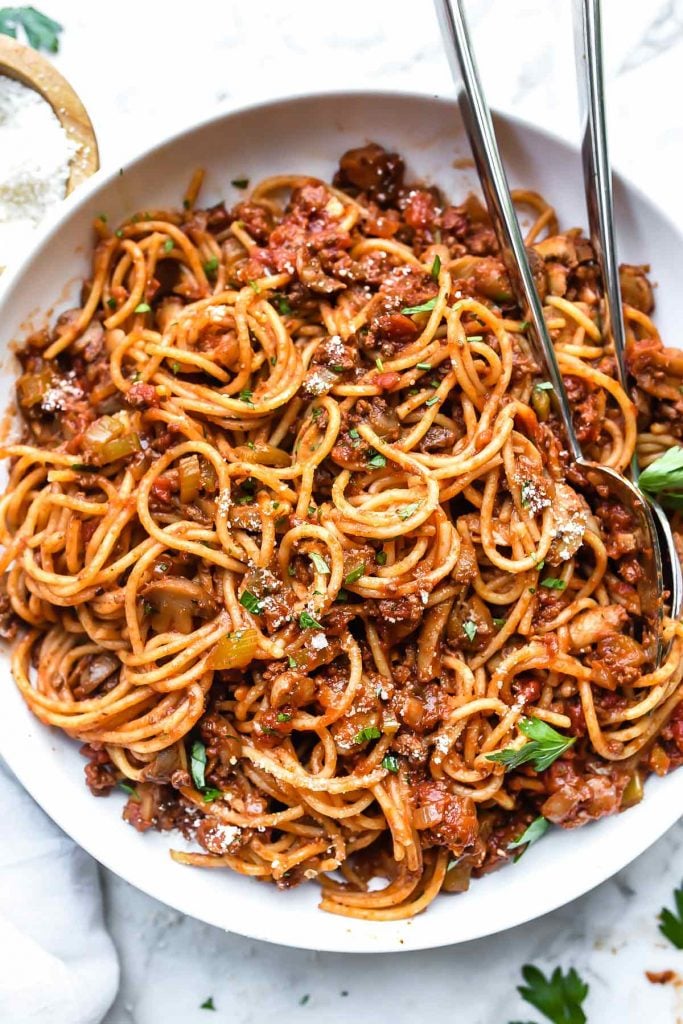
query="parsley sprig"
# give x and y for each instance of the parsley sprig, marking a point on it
(42, 32)
(670, 923)
(545, 747)
(558, 997)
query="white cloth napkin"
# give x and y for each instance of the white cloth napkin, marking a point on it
(57, 963)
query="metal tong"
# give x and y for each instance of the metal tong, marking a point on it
(652, 539)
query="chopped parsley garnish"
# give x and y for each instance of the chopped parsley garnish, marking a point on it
(533, 832)
(147, 608)
(371, 732)
(426, 307)
(282, 304)
(664, 477)
(408, 510)
(168, 244)
(381, 558)
(143, 307)
(553, 584)
(320, 563)
(119, 233)
(424, 366)
(670, 923)
(112, 303)
(377, 461)
(432, 401)
(251, 602)
(390, 763)
(292, 662)
(304, 1000)
(307, 621)
(246, 396)
(209, 795)
(255, 286)
(469, 628)
(284, 717)
(211, 266)
(103, 217)
(207, 1004)
(42, 32)
(379, 364)
(81, 467)
(353, 433)
(499, 622)
(130, 790)
(240, 182)
(527, 493)
(355, 574)
(342, 595)
(544, 748)
(337, 368)
(558, 997)
(198, 764)
(317, 412)
(436, 268)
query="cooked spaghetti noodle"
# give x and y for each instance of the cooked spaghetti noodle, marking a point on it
(293, 547)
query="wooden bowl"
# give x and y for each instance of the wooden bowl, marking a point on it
(30, 68)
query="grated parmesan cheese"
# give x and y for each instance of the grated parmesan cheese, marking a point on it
(35, 154)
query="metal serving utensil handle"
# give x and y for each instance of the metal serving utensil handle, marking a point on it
(597, 173)
(479, 127)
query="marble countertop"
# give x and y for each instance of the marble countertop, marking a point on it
(186, 62)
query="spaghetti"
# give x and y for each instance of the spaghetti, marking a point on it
(293, 547)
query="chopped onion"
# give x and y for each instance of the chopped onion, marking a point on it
(426, 816)
(457, 878)
(107, 440)
(33, 387)
(235, 650)
(263, 455)
(190, 478)
(633, 793)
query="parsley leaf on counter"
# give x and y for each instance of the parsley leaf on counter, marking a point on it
(558, 997)
(545, 747)
(42, 32)
(207, 1004)
(670, 925)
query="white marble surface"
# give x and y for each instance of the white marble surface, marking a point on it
(146, 68)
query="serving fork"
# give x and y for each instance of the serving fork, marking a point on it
(652, 530)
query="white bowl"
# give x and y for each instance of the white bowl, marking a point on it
(307, 135)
